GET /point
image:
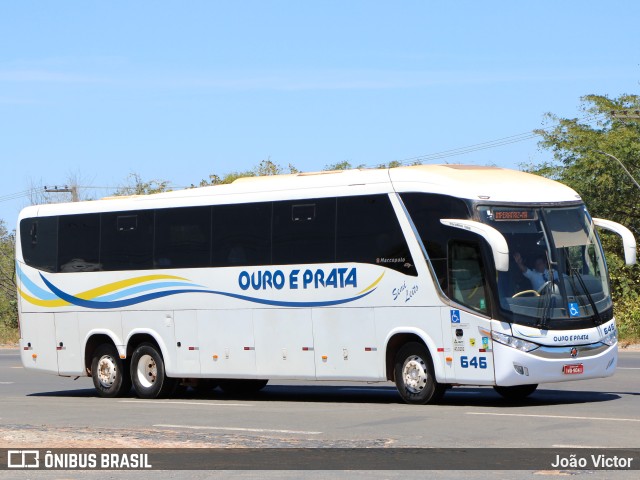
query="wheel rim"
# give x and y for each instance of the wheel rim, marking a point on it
(414, 374)
(107, 371)
(147, 371)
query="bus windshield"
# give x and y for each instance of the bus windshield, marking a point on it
(557, 275)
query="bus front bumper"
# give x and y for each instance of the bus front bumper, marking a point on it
(553, 364)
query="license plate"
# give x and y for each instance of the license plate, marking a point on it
(573, 369)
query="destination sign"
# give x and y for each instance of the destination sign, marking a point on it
(514, 215)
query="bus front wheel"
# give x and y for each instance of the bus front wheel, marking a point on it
(148, 374)
(414, 375)
(109, 372)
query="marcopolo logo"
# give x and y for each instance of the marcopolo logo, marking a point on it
(319, 278)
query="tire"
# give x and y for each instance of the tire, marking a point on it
(242, 387)
(414, 375)
(516, 393)
(109, 372)
(148, 373)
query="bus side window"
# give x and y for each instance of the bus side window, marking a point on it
(426, 210)
(39, 242)
(242, 234)
(78, 243)
(126, 240)
(369, 232)
(304, 231)
(183, 237)
(467, 284)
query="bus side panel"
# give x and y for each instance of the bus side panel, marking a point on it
(347, 338)
(70, 361)
(38, 342)
(227, 347)
(187, 343)
(281, 338)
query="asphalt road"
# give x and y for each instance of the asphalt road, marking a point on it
(43, 411)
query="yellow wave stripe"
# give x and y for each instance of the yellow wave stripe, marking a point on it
(373, 284)
(112, 287)
(43, 303)
(99, 291)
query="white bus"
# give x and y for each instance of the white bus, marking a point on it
(428, 276)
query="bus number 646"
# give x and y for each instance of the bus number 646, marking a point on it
(475, 362)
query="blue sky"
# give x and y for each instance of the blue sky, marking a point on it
(179, 90)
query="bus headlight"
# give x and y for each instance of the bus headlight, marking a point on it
(513, 342)
(610, 338)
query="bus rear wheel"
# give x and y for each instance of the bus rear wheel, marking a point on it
(414, 375)
(516, 393)
(148, 374)
(109, 372)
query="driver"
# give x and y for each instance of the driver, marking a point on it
(539, 275)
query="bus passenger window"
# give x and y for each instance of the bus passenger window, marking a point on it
(39, 242)
(369, 232)
(183, 237)
(242, 235)
(126, 241)
(426, 210)
(78, 243)
(466, 278)
(304, 231)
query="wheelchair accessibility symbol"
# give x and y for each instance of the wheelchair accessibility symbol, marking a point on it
(574, 311)
(455, 316)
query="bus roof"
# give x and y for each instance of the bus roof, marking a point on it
(482, 183)
(464, 181)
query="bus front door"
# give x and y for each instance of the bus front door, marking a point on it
(471, 351)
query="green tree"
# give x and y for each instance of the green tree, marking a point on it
(580, 147)
(344, 165)
(137, 186)
(264, 168)
(8, 302)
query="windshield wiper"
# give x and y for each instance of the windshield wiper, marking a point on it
(549, 304)
(596, 315)
(547, 307)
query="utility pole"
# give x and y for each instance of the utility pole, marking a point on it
(72, 190)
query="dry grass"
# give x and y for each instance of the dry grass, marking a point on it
(8, 336)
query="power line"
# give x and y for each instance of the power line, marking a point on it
(500, 142)
(472, 148)
(521, 137)
(17, 195)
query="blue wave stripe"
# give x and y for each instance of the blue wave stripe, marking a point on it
(108, 297)
(152, 296)
(35, 290)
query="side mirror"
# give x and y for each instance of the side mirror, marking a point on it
(628, 240)
(494, 238)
